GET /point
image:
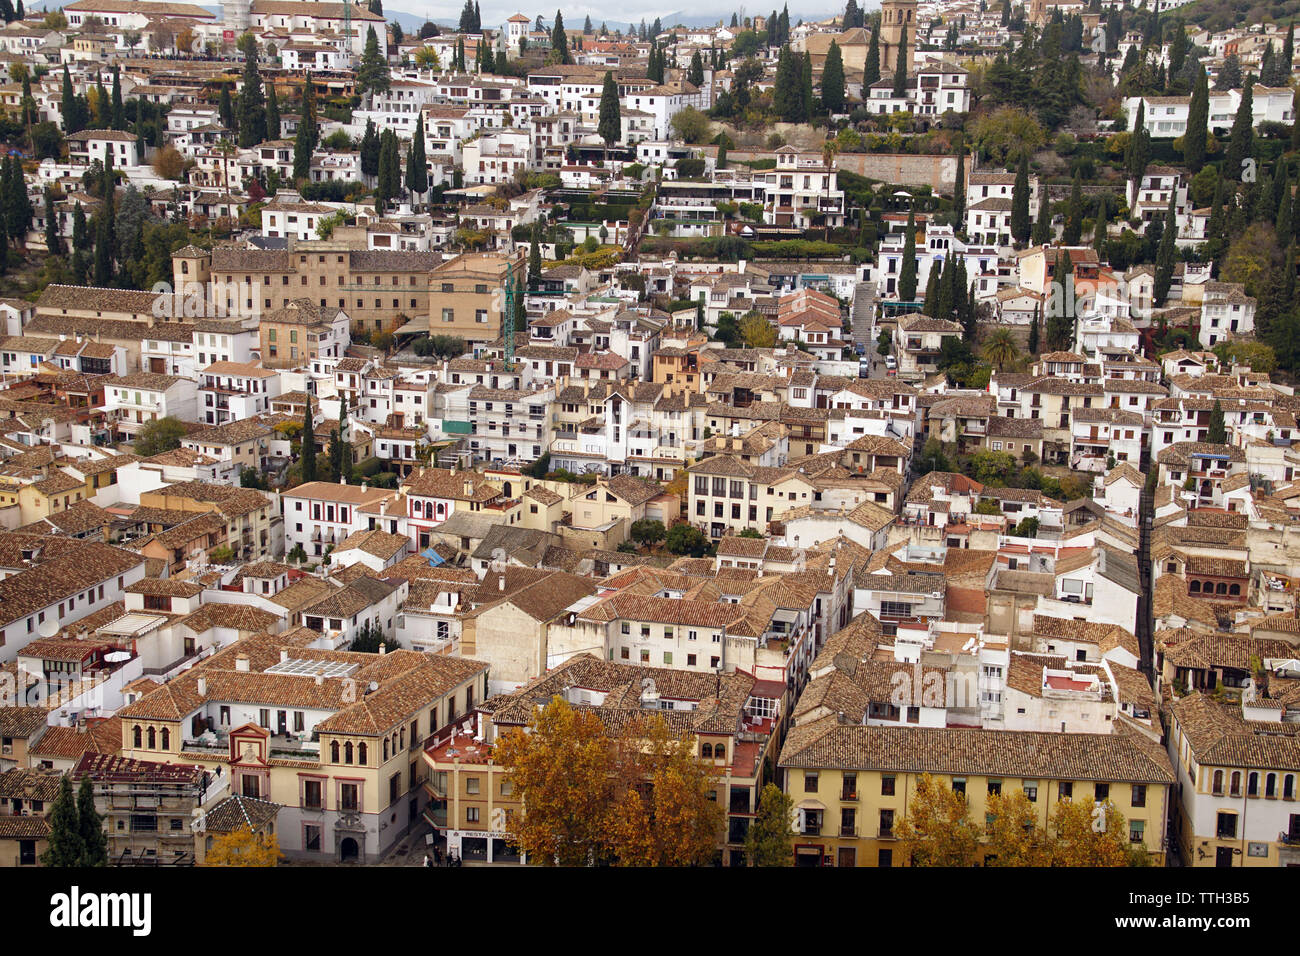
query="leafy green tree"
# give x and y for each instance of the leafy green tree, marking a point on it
(770, 838)
(159, 435)
(648, 531)
(686, 539)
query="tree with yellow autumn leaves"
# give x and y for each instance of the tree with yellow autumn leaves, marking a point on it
(938, 831)
(243, 847)
(640, 797)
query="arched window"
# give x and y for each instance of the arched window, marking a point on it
(1234, 590)
(137, 736)
(166, 739)
(401, 739)
(347, 752)
(1252, 785)
(1288, 787)
(428, 509)
(334, 751)
(1236, 784)
(1218, 781)
(1220, 588)
(706, 751)
(153, 739)
(1196, 587)
(1270, 785)
(720, 751)
(385, 748)
(361, 754)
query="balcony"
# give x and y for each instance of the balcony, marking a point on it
(1289, 838)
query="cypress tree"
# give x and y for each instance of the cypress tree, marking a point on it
(1288, 50)
(806, 89)
(560, 39)
(833, 80)
(695, 72)
(610, 126)
(53, 241)
(65, 846)
(417, 168)
(372, 74)
(1074, 214)
(91, 826)
(1241, 141)
(1020, 225)
(907, 272)
(68, 105)
(1164, 276)
(535, 259)
(1139, 149)
(1284, 224)
(931, 304)
(389, 171)
(959, 193)
(1216, 433)
(1198, 115)
(119, 111)
(370, 151)
(900, 70)
(272, 113)
(871, 71)
(308, 445)
(1099, 229)
(302, 150)
(1034, 330)
(226, 109)
(252, 106)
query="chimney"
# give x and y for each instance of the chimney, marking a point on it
(501, 582)
(284, 654)
(320, 680)
(241, 663)
(203, 687)
(383, 648)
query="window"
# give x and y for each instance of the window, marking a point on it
(1139, 791)
(1101, 792)
(1227, 826)
(472, 785)
(311, 837)
(471, 814)
(1031, 790)
(311, 795)
(349, 797)
(887, 786)
(1136, 829)
(959, 785)
(810, 781)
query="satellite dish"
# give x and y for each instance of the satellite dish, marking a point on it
(48, 628)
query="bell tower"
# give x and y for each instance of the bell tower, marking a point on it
(895, 17)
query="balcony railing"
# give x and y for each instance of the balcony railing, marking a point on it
(1289, 839)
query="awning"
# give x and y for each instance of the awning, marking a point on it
(414, 327)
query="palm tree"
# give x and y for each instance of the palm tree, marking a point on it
(1001, 348)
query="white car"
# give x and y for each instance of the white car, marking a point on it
(891, 362)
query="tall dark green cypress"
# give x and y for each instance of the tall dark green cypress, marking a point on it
(119, 111)
(53, 241)
(417, 166)
(1020, 225)
(1241, 141)
(252, 106)
(900, 69)
(308, 444)
(65, 846)
(94, 841)
(272, 112)
(833, 80)
(1198, 117)
(907, 271)
(1164, 276)
(871, 71)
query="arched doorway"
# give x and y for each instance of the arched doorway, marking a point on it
(348, 850)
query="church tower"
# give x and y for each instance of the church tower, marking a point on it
(895, 15)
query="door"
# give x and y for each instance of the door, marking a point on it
(1223, 856)
(848, 856)
(158, 366)
(282, 721)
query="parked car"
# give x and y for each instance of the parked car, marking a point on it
(891, 363)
